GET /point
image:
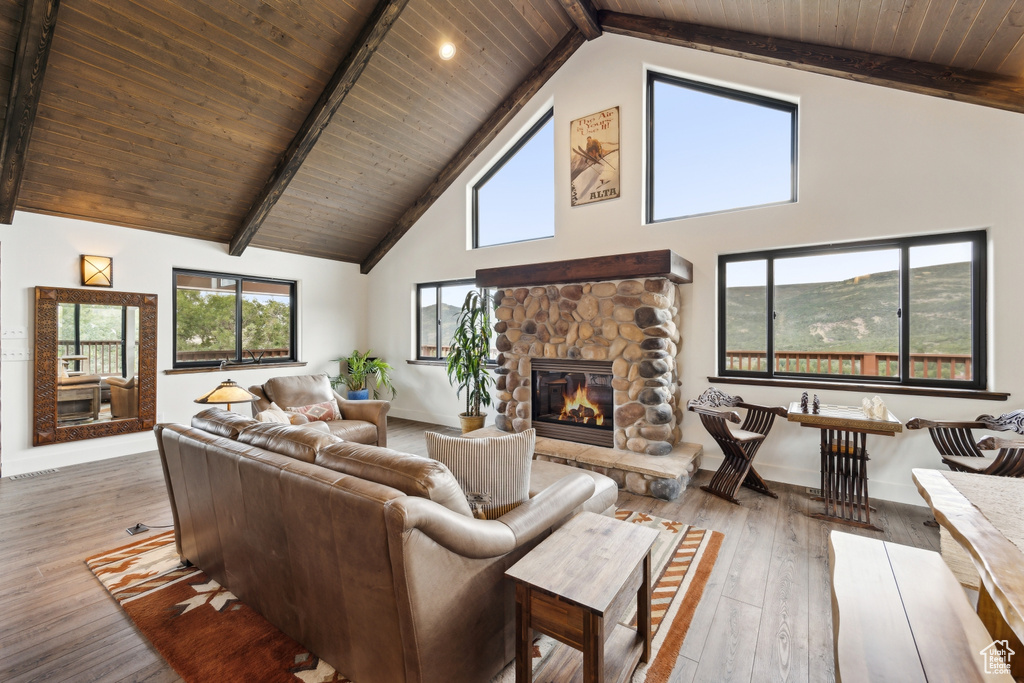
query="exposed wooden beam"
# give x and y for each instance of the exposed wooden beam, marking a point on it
(39, 18)
(481, 138)
(584, 15)
(384, 15)
(974, 87)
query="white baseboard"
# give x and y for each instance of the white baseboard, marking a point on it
(68, 454)
(424, 416)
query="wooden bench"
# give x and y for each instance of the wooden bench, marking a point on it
(898, 614)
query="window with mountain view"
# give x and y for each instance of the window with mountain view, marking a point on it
(907, 311)
(713, 149)
(515, 199)
(438, 305)
(220, 317)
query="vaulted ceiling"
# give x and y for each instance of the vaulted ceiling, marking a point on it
(327, 127)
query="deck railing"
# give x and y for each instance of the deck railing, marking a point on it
(222, 354)
(922, 365)
(104, 357)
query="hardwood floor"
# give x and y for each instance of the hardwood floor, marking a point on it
(765, 614)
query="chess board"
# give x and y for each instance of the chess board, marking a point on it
(843, 417)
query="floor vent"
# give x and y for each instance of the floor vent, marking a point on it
(813, 492)
(29, 475)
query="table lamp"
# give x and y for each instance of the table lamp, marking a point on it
(227, 392)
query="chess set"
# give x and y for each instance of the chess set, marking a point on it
(817, 414)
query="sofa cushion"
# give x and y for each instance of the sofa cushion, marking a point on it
(494, 472)
(544, 473)
(298, 390)
(221, 422)
(413, 475)
(291, 440)
(354, 430)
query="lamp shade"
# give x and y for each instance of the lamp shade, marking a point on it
(227, 392)
(97, 271)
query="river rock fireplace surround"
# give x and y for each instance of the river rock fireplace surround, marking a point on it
(608, 329)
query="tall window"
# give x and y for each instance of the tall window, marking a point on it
(515, 200)
(438, 305)
(220, 317)
(905, 311)
(713, 149)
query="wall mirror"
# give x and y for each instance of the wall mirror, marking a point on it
(95, 364)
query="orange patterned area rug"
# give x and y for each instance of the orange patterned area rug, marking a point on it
(207, 635)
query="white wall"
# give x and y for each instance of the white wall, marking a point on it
(44, 251)
(874, 162)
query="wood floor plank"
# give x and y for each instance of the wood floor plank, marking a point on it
(59, 624)
(729, 654)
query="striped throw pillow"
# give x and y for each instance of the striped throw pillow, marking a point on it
(494, 472)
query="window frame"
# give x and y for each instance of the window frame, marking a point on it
(293, 357)
(979, 302)
(493, 170)
(486, 293)
(729, 93)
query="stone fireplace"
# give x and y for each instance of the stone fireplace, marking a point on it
(631, 325)
(587, 355)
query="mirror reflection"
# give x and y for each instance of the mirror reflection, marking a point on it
(97, 363)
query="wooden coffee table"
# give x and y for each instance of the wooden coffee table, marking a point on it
(574, 587)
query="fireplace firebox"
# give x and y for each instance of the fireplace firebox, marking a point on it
(573, 400)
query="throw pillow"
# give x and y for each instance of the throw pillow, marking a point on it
(325, 412)
(271, 415)
(494, 472)
(294, 418)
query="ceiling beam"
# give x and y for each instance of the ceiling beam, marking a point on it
(481, 138)
(384, 15)
(974, 87)
(38, 21)
(584, 15)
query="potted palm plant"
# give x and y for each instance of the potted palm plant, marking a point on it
(466, 362)
(364, 372)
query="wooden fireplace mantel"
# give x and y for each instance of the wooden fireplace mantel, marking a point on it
(642, 264)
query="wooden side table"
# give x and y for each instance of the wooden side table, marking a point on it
(844, 459)
(576, 584)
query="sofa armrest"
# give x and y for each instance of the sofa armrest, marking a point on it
(261, 403)
(481, 539)
(369, 411)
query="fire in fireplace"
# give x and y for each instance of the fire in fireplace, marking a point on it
(573, 400)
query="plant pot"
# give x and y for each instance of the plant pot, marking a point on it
(472, 422)
(360, 395)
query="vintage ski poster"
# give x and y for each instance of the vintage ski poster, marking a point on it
(594, 163)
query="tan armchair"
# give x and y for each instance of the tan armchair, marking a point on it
(363, 422)
(124, 396)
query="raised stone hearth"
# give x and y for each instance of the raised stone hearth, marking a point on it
(663, 477)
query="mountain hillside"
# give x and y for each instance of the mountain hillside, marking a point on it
(858, 314)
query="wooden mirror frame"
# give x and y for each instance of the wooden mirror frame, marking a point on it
(47, 430)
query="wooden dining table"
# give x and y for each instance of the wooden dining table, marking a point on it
(983, 514)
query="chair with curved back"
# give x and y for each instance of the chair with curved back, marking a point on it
(960, 451)
(739, 446)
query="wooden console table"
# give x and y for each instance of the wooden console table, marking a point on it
(844, 459)
(78, 402)
(982, 513)
(575, 584)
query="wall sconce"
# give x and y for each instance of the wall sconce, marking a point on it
(97, 271)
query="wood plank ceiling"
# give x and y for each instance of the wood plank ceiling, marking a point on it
(177, 116)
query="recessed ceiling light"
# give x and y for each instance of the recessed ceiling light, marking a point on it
(447, 51)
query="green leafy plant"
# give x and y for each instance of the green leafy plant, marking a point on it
(364, 371)
(467, 355)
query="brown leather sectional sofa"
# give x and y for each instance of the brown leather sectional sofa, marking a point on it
(367, 556)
